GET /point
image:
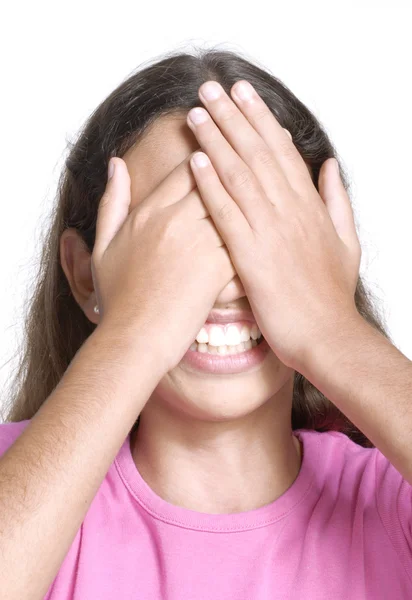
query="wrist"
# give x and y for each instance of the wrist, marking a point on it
(131, 345)
(330, 343)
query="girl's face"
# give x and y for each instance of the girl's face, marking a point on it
(197, 393)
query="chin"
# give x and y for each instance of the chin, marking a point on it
(223, 397)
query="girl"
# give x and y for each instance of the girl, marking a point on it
(198, 413)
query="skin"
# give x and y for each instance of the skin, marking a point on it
(291, 238)
(304, 243)
(301, 251)
(230, 433)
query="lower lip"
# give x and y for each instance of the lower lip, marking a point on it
(234, 363)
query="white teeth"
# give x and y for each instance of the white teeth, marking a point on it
(248, 344)
(224, 349)
(232, 337)
(245, 333)
(202, 336)
(216, 336)
(254, 332)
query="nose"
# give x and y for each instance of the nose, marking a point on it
(231, 292)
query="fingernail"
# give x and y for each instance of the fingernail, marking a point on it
(337, 166)
(211, 90)
(288, 132)
(200, 159)
(244, 90)
(111, 169)
(198, 115)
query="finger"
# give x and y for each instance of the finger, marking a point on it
(113, 207)
(175, 186)
(236, 177)
(198, 208)
(212, 232)
(214, 239)
(243, 137)
(226, 214)
(268, 127)
(227, 268)
(337, 202)
(192, 207)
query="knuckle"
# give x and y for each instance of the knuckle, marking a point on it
(238, 177)
(210, 137)
(138, 217)
(136, 222)
(319, 214)
(263, 156)
(227, 114)
(168, 227)
(261, 114)
(225, 212)
(288, 150)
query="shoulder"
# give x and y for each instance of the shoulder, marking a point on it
(364, 475)
(342, 465)
(340, 451)
(335, 449)
(366, 478)
(9, 432)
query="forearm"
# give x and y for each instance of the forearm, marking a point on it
(370, 381)
(50, 475)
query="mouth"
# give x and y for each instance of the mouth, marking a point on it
(226, 360)
(226, 350)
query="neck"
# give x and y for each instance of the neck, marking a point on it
(217, 466)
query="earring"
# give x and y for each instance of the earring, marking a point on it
(96, 309)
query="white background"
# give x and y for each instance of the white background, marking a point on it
(349, 62)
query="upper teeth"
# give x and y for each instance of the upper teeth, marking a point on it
(218, 335)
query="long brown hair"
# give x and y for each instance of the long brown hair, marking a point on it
(54, 325)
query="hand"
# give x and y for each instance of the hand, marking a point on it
(295, 250)
(157, 268)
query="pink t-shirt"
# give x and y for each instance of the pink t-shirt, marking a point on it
(341, 531)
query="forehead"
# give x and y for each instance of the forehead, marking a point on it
(164, 145)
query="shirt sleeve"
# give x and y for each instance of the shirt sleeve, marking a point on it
(394, 503)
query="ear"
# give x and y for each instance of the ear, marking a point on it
(75, 260)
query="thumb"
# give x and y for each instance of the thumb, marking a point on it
(114, 205)
(337, 202)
